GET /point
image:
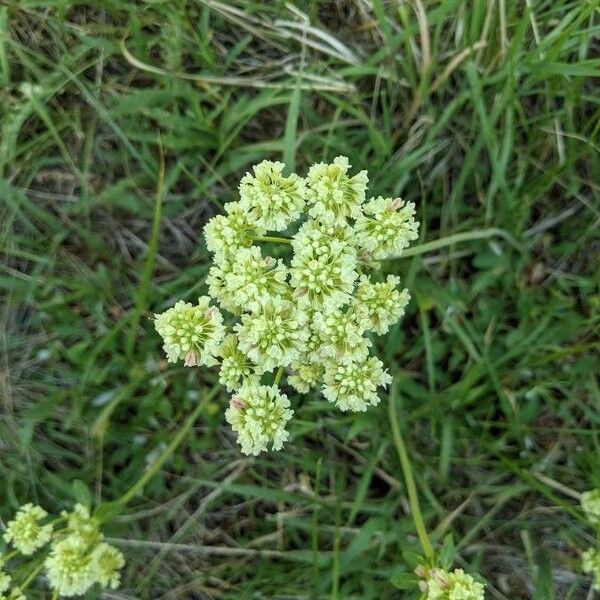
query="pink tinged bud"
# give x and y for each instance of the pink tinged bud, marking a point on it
(396, 204)
(301, 291)
(421, 572)
(270, 262)
(237, 402)
(191, 360)
(210, 313)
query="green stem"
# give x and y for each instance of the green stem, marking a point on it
(411, 488)
(272, 238)
(466, 236)
(32, 576)
(278, 376)
(166, 453)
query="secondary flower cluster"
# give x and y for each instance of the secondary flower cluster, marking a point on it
(313, 315)
(440, 584)
(77, 558)
(590, 502)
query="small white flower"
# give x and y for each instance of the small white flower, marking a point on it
(235, 366)
(274, 336)
(305, 376)
(379, 305)
(387, 227)
(590, 502)
(259, 414)
(107, 562)
(25, 531)
(334, 195)
(69, 567)
(454, 585)
(341, 336)
(324, 266)
(271, 200)
(353, 386)
(253, 279)
(191, 332)
(590, 562)
(225, 234)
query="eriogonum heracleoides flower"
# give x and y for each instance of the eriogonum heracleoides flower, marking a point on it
(379, 304)
(310, 312)
(353, 385)
(192, 332)
(107, 562)
(453, 585)
(271, 200)
(273, 336)
(25, 531)
(386, 227)
(333, 194)
(226, 234)
(323, 277)
(590, 502)
(305, 375)
(259, 414)
(341, 336)
(590, 562)
(69, 567)
(82, 524)
(254, 279)
(235, 366)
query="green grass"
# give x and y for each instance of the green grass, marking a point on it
(126, 125)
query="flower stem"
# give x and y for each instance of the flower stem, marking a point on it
(166, 453)
(465, 236)
(32, 576)
(272, 238)
(278, 376)
(411, 488)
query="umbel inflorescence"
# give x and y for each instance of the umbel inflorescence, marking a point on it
(70, 550)
(310, 307)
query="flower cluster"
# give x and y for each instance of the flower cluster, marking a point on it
(313, 315)
(590, 559)
(77, 559)
(451, 585)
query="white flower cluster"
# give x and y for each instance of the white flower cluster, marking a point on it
(590, 559)
(311, 315)
(440, 584)
(78, 556)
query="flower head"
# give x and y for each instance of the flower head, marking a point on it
(225, 234)
(335, 195)
(253, 279)
(323, 268)
(590, 502)
(341, 336)
(387, 226)
(590, 560)
(107, 561)
(235, 366)
(25, 531)
(191, 332)
(305, 375)
(379, 305)
(69, 567)
(271, 200)
(81, 524)
(273, 336)
(454, 585)
(259, 414)
(353, 385)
